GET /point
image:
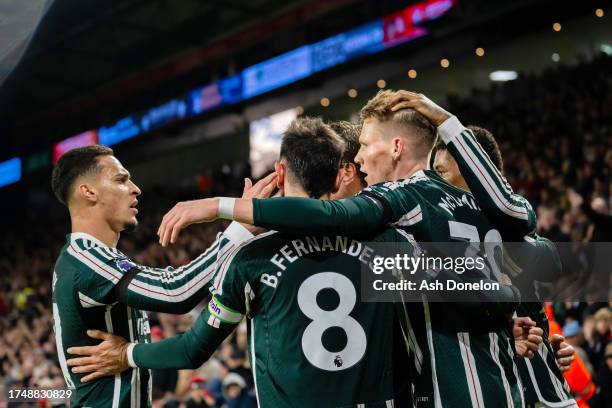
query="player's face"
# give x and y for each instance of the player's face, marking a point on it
(375, 154)
(117, 195)
(447, 168)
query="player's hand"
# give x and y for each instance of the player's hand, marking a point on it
(262, 189)
(184, 214)
(420, 103)
(107, 358)
(527, 337)
(564, 352)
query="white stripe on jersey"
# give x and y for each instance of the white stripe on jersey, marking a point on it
(146, 289)
(410, 339)
(469, 365)
(101, 269)
(173, 275)
(220, 275)
(173, 295)
(412, 217)
(485, 156)
(134, 385)
(57, 325)
(559, 387)
(164, 275)
(88, 302)
(561, 404)
(254, 361)
(493, 189)
(494, 350)
(117, 387)
(85, 236)
(432, 354)
(516, 373)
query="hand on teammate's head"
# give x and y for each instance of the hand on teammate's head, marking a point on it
(420, 103)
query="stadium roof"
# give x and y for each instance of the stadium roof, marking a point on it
(93, 53)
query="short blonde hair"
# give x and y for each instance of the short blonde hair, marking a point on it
(379, 108)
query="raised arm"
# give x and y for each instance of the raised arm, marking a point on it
(506, 209)
(493, 194)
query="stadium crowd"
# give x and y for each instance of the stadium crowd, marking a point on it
(555, 134)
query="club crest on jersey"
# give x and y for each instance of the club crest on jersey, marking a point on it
(125, 264)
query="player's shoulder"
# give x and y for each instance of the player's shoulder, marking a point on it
(418, 180)
(90, 254)
(255, 248)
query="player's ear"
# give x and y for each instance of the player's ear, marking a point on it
(87, 192)
(350, 172)
(339, 179)
(280, 171)
(398, 148)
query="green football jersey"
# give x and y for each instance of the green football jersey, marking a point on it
(432, 210)
(312, 341)
(542, 380)
(509, 212)
(80, 303)
(97, 287)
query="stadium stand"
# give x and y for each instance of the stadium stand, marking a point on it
(555, 134)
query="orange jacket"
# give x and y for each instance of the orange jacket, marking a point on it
(578, 377)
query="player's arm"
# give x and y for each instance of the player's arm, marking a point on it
(188, 350)
(547, 266)
(111, 277)
(492, 192)
(225, 310)
(185, 351)
(353, 215)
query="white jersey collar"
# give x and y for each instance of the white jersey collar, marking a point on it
(83, 235)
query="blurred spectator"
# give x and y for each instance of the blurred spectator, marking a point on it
(236, 392)
(603, 397)
(598, 336)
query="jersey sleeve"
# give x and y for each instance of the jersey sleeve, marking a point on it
(545, 265)
(226, 309)
(370, 210)
(169, 290)
(185, 351)
(493, 194)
